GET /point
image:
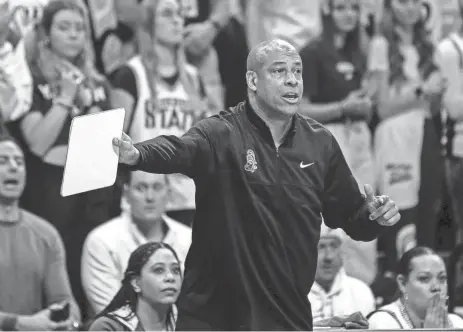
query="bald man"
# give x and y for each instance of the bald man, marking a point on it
(264, 176)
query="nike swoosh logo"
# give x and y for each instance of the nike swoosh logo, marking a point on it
(307, 165)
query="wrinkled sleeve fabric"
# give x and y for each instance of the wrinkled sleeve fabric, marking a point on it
(344, 206)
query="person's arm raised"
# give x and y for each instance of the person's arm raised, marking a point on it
(190, 154)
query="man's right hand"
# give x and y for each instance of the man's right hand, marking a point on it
(40, 322)
(128, 153)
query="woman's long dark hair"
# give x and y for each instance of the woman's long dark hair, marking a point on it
(421, 41)
(126, 296)
(353, 49)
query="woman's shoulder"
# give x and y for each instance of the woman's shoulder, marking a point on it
(457, 321)
(105, 323)
(384, 317)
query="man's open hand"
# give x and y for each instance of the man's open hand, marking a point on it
(381, 208)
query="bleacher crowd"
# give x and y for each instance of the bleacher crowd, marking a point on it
(384, 76)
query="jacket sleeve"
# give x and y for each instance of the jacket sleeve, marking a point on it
(190, 154)
(344, 206)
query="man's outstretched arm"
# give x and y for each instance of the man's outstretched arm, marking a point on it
(190, 154)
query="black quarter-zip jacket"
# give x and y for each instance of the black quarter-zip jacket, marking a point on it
(253, 255)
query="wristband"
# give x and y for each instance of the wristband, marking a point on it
(9, 323)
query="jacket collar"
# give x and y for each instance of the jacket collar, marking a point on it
(259, 124)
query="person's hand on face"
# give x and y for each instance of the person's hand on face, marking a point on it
(436, 313)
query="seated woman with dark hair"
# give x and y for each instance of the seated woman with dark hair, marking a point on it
(422, 281)
(146, 299)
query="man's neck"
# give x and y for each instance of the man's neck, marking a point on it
(153, 230)
(278, 124)
(326, 285)
(9, 211)
(152, 319)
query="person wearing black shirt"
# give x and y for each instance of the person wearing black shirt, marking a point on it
(265, 177)
(334, 94)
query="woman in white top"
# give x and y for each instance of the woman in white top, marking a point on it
(409, 86)
(161, 93)
(422, 282)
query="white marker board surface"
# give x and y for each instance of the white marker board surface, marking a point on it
(91, 161)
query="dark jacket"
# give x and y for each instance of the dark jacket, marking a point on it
(253, 256)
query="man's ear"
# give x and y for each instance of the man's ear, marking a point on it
(251, 80)
(125, 189)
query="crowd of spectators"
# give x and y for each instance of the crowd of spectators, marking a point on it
(384, 76)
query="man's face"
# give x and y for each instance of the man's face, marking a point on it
(279, 83)
(12, 171)
(329, 259)
(147, 195)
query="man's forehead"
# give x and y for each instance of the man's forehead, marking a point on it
(269, 52)
(150, 178)
(9, 148)
(283, 58)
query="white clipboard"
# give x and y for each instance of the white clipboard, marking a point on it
(91, 162)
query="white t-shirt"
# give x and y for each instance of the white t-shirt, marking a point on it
(171, 114)
(398, 139)
(347, 295)
(450, 52)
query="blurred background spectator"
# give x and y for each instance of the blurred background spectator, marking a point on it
(146, 299)
(402, 60)
(33, 275)
(162, 93)
(334, 94)
(421, 303)
(108, 247)
(335, 293)
(65, 84)
(384, 76)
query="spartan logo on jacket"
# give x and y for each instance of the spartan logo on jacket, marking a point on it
(173, 113)
(251, 163)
